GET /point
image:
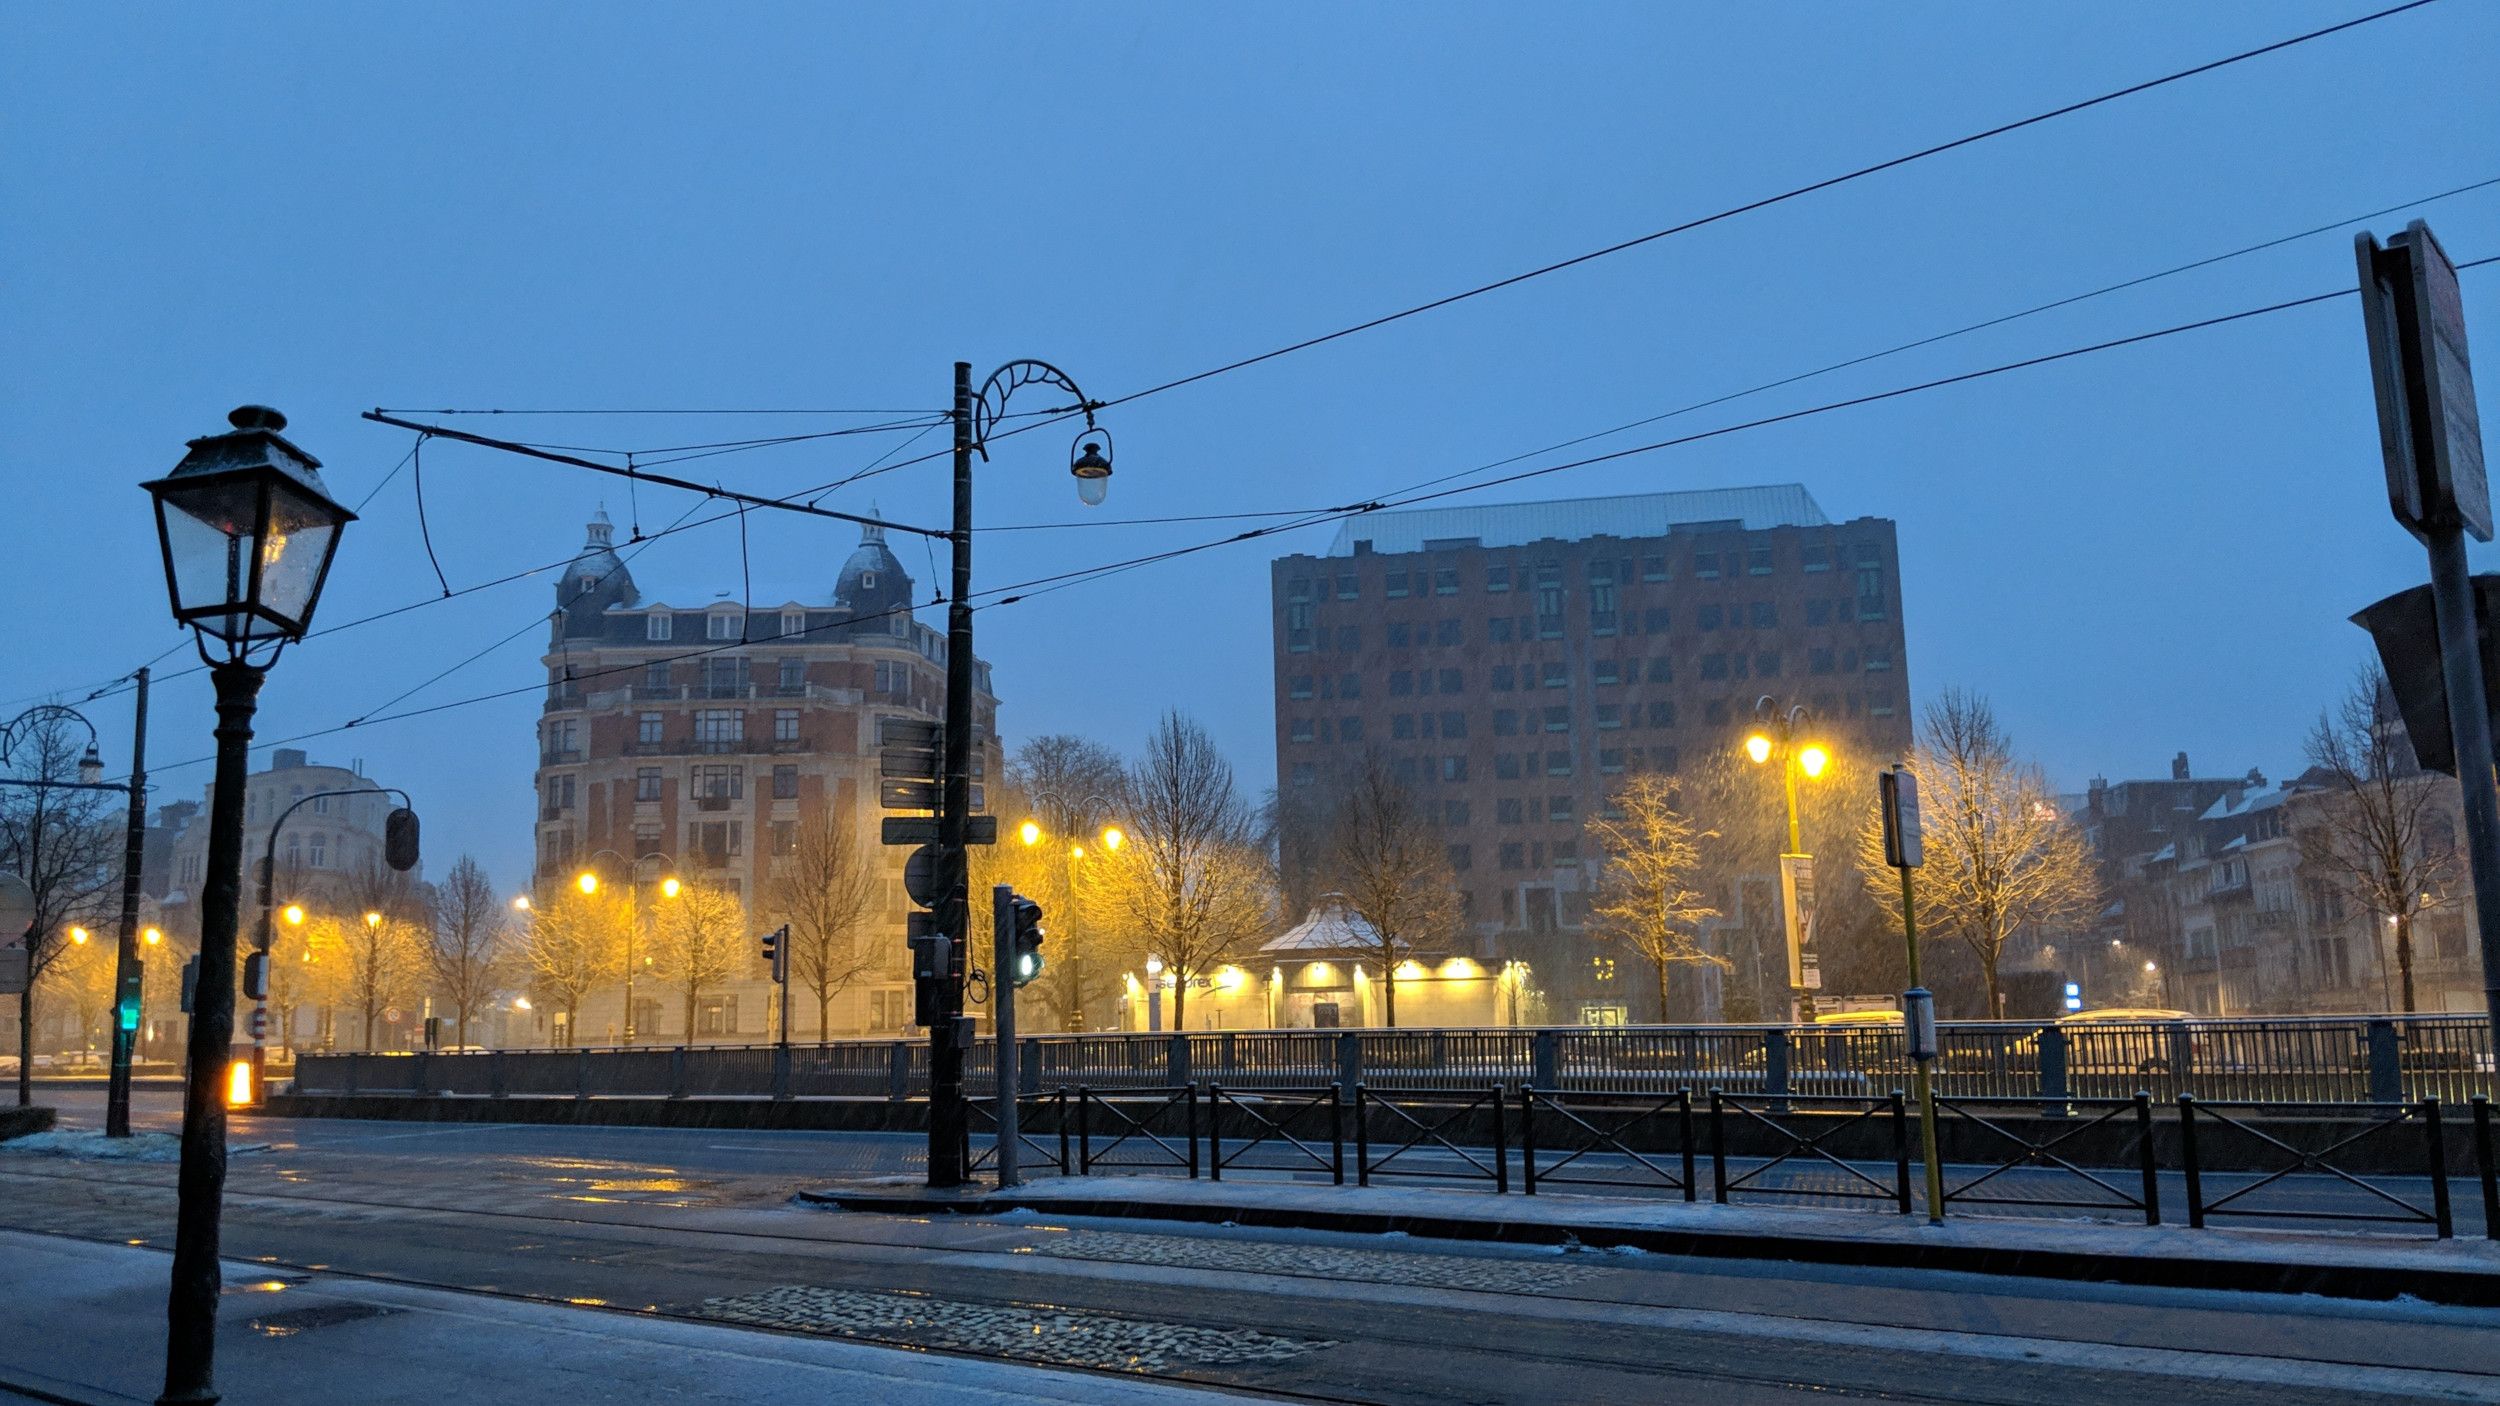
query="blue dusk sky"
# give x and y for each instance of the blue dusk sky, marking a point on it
(332, 207)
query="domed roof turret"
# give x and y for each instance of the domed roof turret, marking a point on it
(872, 582)
(597, 579)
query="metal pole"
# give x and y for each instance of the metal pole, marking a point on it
(191, 1305)
(1003, 1027)
(1922, 1079)
(2469, 722)
(947, 1123)
(633, 929)
(127, 969)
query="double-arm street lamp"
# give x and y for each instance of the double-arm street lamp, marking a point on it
(1077, 815)
(1089, 461)
(248, 531)
(1784, 737)
(588, 882)
(127, 967)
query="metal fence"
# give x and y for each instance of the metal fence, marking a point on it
(2373, 1059)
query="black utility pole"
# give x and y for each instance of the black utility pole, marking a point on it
(949, 1128)
(191, 1306)
(129, 968)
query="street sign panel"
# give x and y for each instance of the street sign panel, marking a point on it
(17, 907)
(907, 795)
(907, 732)
(1805, 969)
(925, 875)
(2430, 432)
(923, 830)
(1905, 844)
(14, 964)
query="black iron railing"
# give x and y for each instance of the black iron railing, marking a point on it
(2336, 1132)
(1773, 1118)
(1611, 1139)
(1303, 1130)
(1430, 1143)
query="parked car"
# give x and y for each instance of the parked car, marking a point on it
(2095, 1044)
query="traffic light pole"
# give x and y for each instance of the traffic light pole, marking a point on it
(127, 960)
(1003, 985)
(948, 1124)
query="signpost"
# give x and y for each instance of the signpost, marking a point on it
(1905, 849)
(17, 918)
(2430, 437)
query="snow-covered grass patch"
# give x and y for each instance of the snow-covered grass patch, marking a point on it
(89, 1145)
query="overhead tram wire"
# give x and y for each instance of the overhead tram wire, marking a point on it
(1018, 592)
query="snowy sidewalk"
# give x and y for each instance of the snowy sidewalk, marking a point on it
(2462, 1272)
(84, 1323)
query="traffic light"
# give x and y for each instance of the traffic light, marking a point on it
(777, 953)
(1025, 950)
(932, 967)
(190, 982)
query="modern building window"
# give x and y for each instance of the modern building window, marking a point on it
(1453, 768)
(1877, 659)
(1505, 722)
(1453, 681)
(785, 783)
(1397, 635)
(1298, 687)
(1558, 764)
(1610, 760)
(648, 727)
(722, 625)
(658, 625)
(1453, 724)
(1556, 674)
(1606, 673)
(1505, 767)
(1706, 618)
(1758, 561)
(1303, 730)
(1350, 730)
(1558, 718)
(1653, 567)
(1396, 586)
(1449, 632)
(1706, 565)
(1609, 716)
(1497, 629)
(1401, 682)
(1714, 666)
(717, 782)
(1497, 578)
(1558, 808)
(1445, 581)
(1661, 714)
(1402, 727)
(783, 836)
(647, 783)
(1564, 852)
(1349, 587)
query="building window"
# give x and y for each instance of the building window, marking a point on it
(1558, 718)
(1503, 678)
(1557, 675)
(785, 724)
(717, 1015)
(1453, 768)
(1609, 716)
(1349, 587)
(1402, 726)
(1565, 852)
(1462, 858)
(1714, 666)
(1653, 568)
(320, 851)
(1497, 629)
(1497, 578)
(1610, 760)
(1304, 773)
(1401, 682)
(1656, 622)
(1818, 661)
(1505, 767)
(1449, 632)
(648, 728)
(1662, 670)
(1662, 714)
(1298, 589)
(1558, 764)
(1817, 557)
(1870, 588)
(715, 842)
(646, 783)
(785, 783)
(719, 729)
(658, 626)
(1505, 722)
(1507, 810)
(1298, 615)
(1445, 581)
(1767, 664)
(1606, 672)
(1706, 565)
(721, 626)
(1299, 687)
(1350, 686)
(1453, 813)
(1453, 681)
(1453, 724)
(793, 622)
(1558, 808)
(1706, 618)
(1350, 729)
(1514, 856)
(1298, 642)
(793, 676)
(1303, 731)
(1877, 659)
(715, 782)
(1397, 585)
(1758, 561)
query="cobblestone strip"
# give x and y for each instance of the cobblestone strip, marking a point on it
(1372, 1266)
(1061, 1337)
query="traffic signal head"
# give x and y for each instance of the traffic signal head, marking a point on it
(777, 952)
(1026, 949)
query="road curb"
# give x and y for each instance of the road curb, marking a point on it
(2221, 1271)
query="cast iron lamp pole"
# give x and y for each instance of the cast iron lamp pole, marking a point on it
(588, 882)
(248, 532)
(1782, 736)
(950, 1033)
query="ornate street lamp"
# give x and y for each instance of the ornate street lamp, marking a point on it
(247, 530)
(1783, 735)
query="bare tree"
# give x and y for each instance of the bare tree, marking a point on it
(1190, 884)
(1648, 896)
(61, 843)
(82, 974)
(2381, 836)
(701, 937)
(826, 889)
(373, 960)
(2000, 856)
(295, 976)
(467, 953)
(1386, 856)
(572, 945)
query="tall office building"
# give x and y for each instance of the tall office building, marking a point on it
(1516, 661)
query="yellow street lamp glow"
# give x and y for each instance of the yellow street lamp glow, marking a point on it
(521, 904)
(669, 887)
(1029, 832)
(1813, 758)
(520, 1003)
(587, 882)
(154, 936)
(1113, 837)
(78, 936)
(372, 919)
(239, 1083)
(295, 915)
(1758, 747)
(1076, 851)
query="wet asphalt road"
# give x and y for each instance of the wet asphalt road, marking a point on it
(698, 1222)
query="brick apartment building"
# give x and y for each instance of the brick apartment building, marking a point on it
(1516, 660)
(700, 734)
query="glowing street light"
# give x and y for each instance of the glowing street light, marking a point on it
(1113, 837)
(294, 914)
(153, 937)
(669, 887)
(1030, 832)
(587, 882)
(521, 904)
(1779, 738)
(78, 937)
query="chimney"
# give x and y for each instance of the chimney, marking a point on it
(286, 758)
(2256, 779)
(2179, 767)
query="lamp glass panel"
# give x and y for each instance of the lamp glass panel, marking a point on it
(211, 530)
(301, 531)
